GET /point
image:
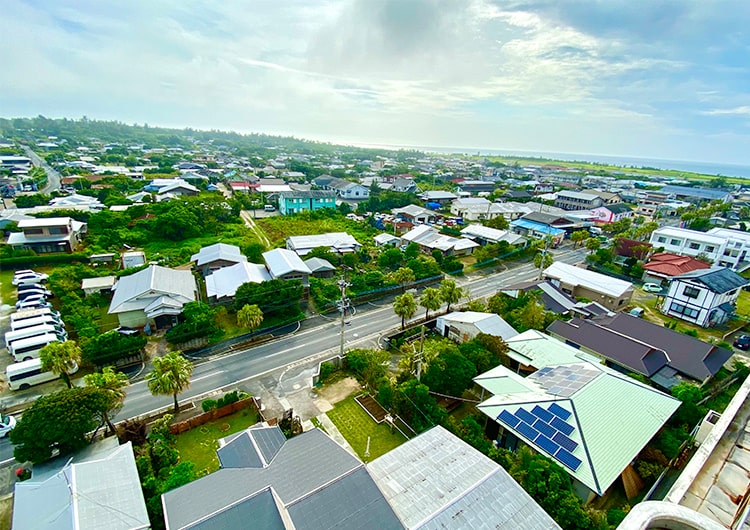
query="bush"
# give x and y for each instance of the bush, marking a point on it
(209, 405)
(326, 369)
(228, 399)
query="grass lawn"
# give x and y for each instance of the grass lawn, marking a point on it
(199, 445)
(7, 289)
(279, 228)
(355, 425)
(743, 305)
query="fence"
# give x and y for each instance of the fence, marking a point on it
(226, 410)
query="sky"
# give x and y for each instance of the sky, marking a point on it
(643, 78)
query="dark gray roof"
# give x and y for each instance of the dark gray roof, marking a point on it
(718, 279)
(257, 511)
(546, 218)
(352, 503)
(255, 447)
(307, 194)
(302, 466)
(630, 336)
(553, 298)
(618, 207)
(701, 193)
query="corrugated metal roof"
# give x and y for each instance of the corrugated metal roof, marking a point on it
(225, 281)
(319, 264)
(259, 511)
(281, 261)
(336, 241)
(576, 276)
(489, 323)
(218, 251)
(139, 290)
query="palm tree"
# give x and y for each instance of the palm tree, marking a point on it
(250, 316)
(403, 276)
(171, 375)
(404, 306)
(430, 300)
(113, 383)
(450, 293)
(60, 358)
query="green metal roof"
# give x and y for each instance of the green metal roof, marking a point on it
(536, 349)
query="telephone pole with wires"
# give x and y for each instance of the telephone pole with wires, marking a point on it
(343, 304)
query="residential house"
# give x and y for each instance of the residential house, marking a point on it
(543, 187)
(611, 213)
(576, 200)
(462, 326)
(476, 209)
(485, 235)
(97, 488)
(475, 187)
(158, 184)
(632, 248)
(344, 189)
(301, 201)
(284, 264)
(100, 285)
(704, 297)
(178, 188)
(693, 243)
(691, 194)
(77, 202)
(153, 296)
(415, 214)
(517, 195)
(336, 242)
(384, 239)
(650, 202)
(589, 419)
(243, 186)
(438, 196)
(48, 235)
(612, 293)
(737, 249)
(214, 257)
(631, 344)
(429, 239)
(224, 282)
(308, 482)
(607, 197)
(320, 268)
(133, 259)
(403, 184)
(555, 299)
(665, 266)
(436, 480)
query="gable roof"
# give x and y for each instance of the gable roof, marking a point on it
(669, 264)
(139, 290)
(225, 281)
(308, 194)
(552, 297)
(617, 208)
(547, 219)
(319, 265)
(718, 279)
(337, 241)
(216, 252)
(626, 338)
(281, 261)
(98, 488)
(491, 234)
(591, 420)
(312, 481)
(595, 281)
(437, 480)
(488, 323)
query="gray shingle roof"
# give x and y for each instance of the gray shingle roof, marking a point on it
(718, 279)
(259, 511)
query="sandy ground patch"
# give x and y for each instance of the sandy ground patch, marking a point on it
(340, 390)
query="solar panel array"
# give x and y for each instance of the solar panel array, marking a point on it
(564, 380)
(547, 429)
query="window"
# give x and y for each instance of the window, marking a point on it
(709, 248)
(675, 242)
(33, 231)
(683, 310)
(691, 292)
(695, 246)
(661, 239)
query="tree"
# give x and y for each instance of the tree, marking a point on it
(113, 383)
(402, 277)
(171, 375)
(60, 358)
(451, 373)
(370, 365)
(391, 258)
(498, 223)
(578, 237)
(450, 293)
(59, 421)
(543, 260)
(430, 300)
(250, 317)
(593, 244)
(404, 306)
(111, 346)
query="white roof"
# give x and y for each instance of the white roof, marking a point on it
(438, 194)
(413, 210)
(670, 231)
(103, 282)
(177, 185)
(218, 251)
(491, 234)
(76, 200)
(472, 201)
(385, 238)
(595, 281)
(225, 282)
(319, 264)
(281, 261)
(437, 480)
(488, 323)
(728, 233)
(41, 223)
(429, 237)
(273, 188)
(139, 290)
(336, 241)
(577, 195)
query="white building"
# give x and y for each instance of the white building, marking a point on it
(704, 297)
(722, 246)
(336, 242)
(462, 326)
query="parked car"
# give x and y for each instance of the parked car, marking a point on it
(742, 342)
(23, 272)
(32, 303)
(7, 422)
(32, 293)
(32, 298)
(29, 278)
(34, 287)
(122, 330)
(652, 287)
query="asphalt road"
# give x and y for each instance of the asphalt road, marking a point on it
(364, 329)
(53, 177)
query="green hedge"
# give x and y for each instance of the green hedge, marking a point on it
(41, 259)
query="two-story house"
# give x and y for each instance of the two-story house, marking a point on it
(689, 243)
(46, 236)
(611, 213)
(704, 297)
(575, 200)
(300, 201)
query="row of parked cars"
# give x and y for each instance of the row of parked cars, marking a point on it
(33, 326)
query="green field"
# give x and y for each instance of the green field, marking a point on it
(356, 426)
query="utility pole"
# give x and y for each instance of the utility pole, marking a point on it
(544, 255)
(343, 305)
(420, 354)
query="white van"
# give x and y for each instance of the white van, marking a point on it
(33, 313)
(22, 375)
(37, 321)
(28, 348)
(269, 208)
(34, 331)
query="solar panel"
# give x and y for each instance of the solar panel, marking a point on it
(565, 442)
(557, 410)
(545, 428)
(547, 444)
(526, 416)
(568, 459)
(509, 419)
(539, 412)
(529, 432)
(561, 426)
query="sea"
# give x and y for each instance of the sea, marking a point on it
(704, 168)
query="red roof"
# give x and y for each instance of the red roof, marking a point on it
(673, 265)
